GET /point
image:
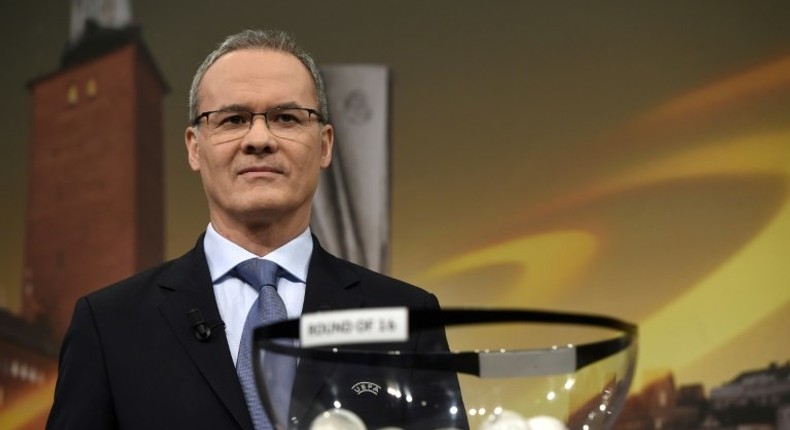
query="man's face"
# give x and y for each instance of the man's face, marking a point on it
(258, 179)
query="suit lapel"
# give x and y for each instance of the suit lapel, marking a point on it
(329, 286)
(187, 285)
(329, 283)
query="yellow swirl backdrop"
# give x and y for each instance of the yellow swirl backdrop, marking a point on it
(691, 241)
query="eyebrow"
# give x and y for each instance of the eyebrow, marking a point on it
(287, 105)
(233, 107)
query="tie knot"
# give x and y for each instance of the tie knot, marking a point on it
(258, 272)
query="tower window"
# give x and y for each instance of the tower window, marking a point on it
(91, 88)
(72, 95)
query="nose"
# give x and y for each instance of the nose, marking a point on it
(259, 139)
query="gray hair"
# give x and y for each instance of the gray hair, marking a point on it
(274, 40)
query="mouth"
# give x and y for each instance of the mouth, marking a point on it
(260, 171)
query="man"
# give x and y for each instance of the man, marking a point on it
(136, 355)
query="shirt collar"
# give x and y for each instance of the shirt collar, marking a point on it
(223, 255)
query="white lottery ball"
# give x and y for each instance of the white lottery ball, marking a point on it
(545, 422)
(505, 420)
(337, 419)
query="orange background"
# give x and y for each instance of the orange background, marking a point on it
(627, 159)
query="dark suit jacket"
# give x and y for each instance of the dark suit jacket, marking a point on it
(130, 358)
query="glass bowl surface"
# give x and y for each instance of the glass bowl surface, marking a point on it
(487, 369)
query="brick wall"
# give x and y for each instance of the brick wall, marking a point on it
(95, 200)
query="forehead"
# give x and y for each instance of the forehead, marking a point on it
(256, 78)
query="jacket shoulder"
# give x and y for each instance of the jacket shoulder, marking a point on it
(383, 289)
(142, 284)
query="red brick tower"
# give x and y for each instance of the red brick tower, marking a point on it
(95, 200)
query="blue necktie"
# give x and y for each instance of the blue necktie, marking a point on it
(269, 308)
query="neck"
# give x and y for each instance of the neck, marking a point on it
(259, 238)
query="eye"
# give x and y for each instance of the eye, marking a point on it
(231, 118)
(286, 117)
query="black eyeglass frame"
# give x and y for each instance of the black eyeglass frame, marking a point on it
(265, 114)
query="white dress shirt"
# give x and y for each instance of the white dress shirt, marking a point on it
(235, 297)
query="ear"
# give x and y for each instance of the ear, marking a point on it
(193, 153)
(327, 142)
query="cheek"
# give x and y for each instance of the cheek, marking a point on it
(307, 160)
(215, 165)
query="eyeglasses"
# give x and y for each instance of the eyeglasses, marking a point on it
(285, 122)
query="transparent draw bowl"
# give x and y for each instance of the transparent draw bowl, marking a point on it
(396, 368)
